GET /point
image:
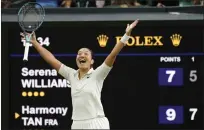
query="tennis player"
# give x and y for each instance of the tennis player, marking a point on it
(86, 83)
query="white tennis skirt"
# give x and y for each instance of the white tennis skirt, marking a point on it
(95, 123)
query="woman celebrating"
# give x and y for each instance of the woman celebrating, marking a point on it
(86, 83)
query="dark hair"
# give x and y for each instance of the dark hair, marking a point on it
(92, 56)
(92, 53)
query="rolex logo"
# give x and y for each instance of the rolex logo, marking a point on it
(176, 39)
(102, 40)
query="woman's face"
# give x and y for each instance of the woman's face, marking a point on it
(84, 58)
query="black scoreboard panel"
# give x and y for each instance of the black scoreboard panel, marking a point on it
(156, 81)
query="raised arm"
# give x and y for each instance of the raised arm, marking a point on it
(109, 61)
(45, 54)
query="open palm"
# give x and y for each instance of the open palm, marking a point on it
(130, 27)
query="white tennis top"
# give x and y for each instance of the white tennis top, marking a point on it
(86, 92)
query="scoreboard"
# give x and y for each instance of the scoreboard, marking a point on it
(156, 81)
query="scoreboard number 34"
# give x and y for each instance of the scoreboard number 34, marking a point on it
(43, 41)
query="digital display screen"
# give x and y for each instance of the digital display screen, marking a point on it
(156, 81)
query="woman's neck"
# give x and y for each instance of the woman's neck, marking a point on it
(82, 72)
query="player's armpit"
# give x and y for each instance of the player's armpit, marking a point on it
(66, 71)
(54, 63)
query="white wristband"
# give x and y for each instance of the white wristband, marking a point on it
(124, 39)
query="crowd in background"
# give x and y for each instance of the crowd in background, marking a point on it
(102, 3)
